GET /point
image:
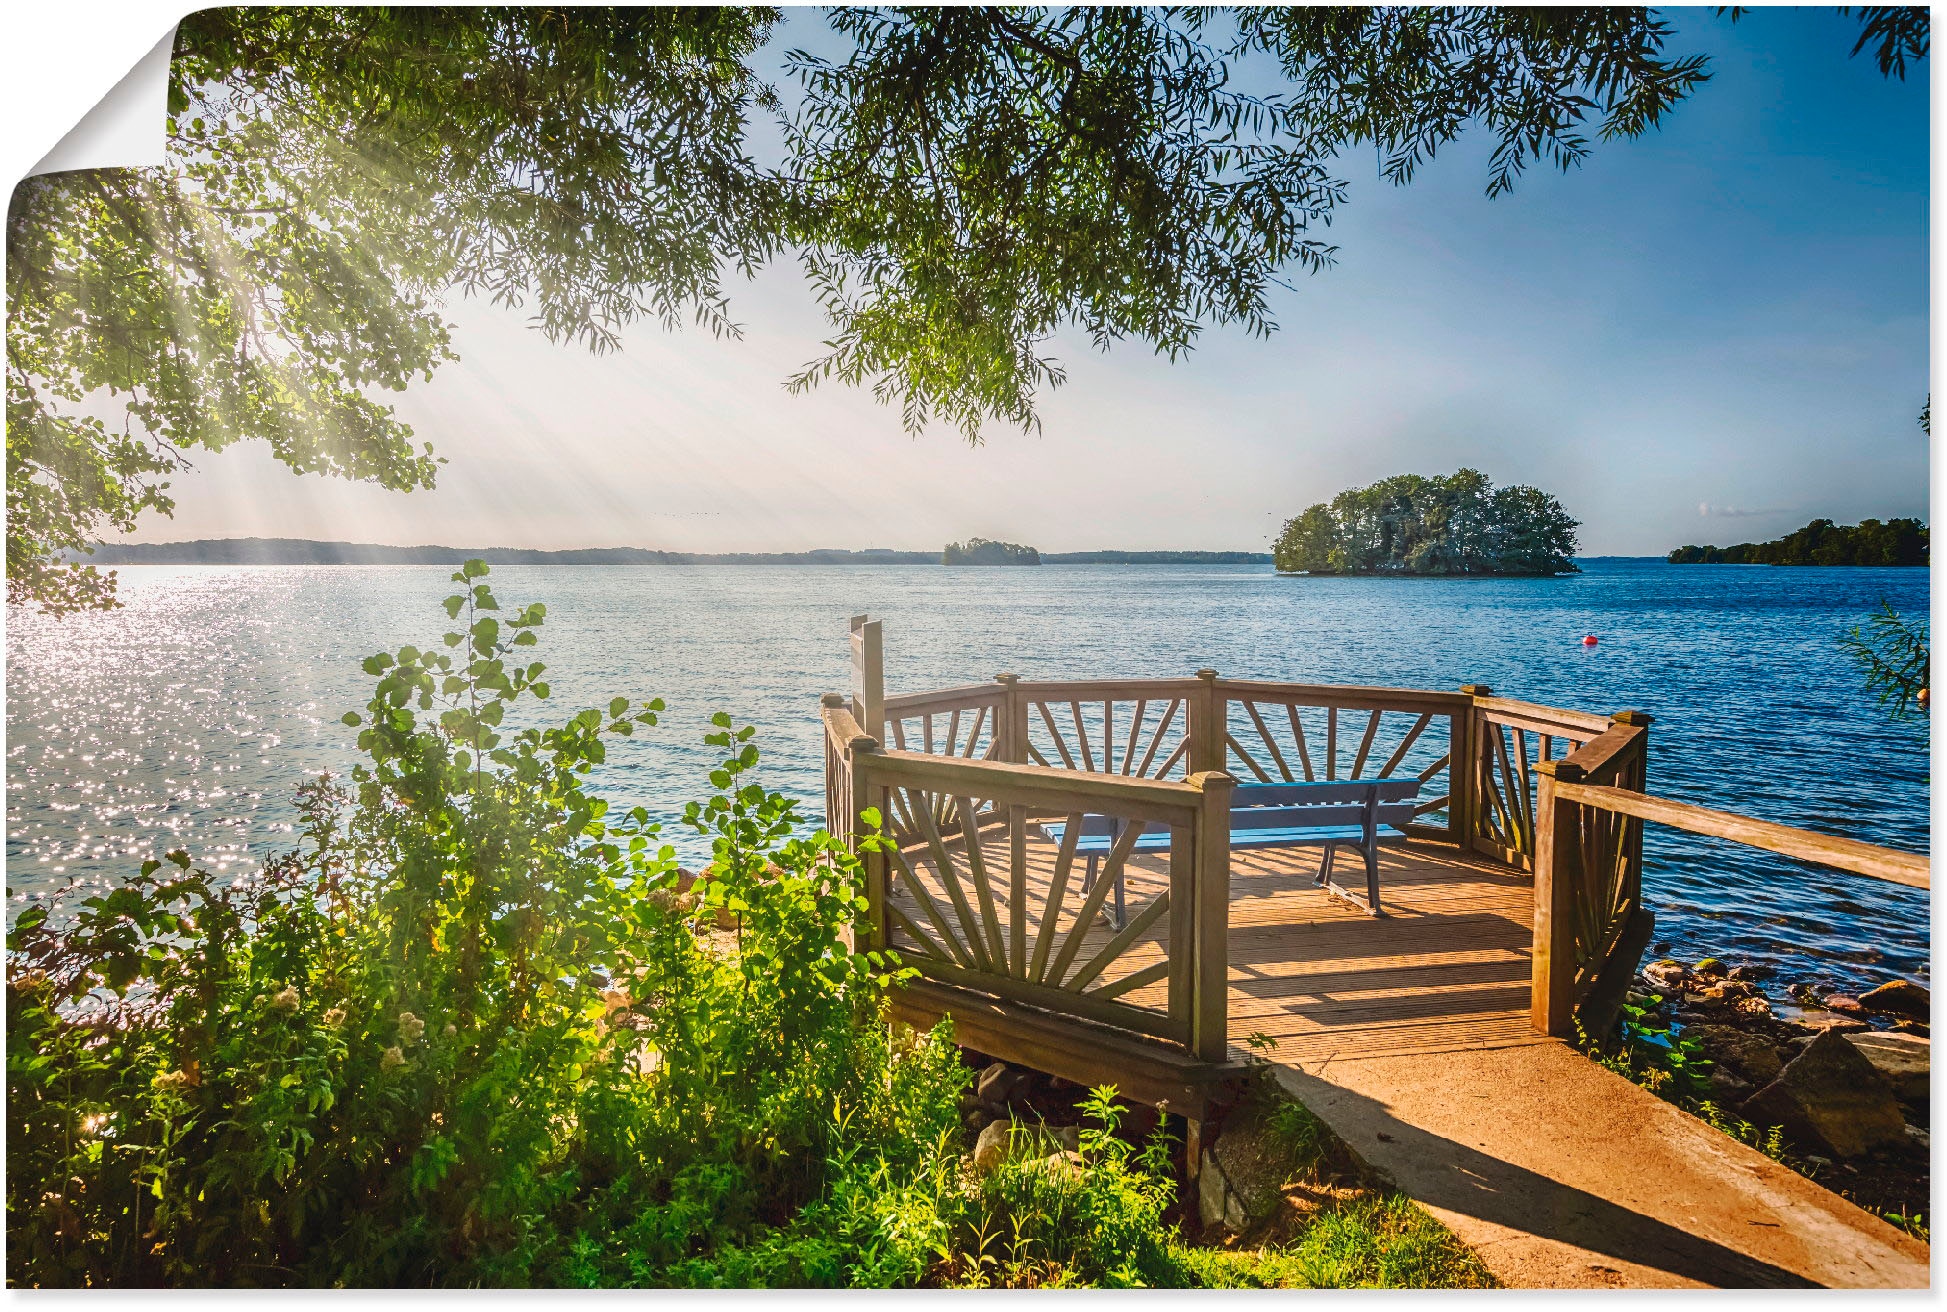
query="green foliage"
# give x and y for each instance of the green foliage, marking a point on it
(1374, 1241)
(473, 1030)
(1895, 654)
(1408, 524)
(982, 551)
(1821, 542)
(331, 172)
(960, 186)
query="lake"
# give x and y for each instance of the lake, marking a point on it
(187, 717)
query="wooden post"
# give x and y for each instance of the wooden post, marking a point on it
(1011, 722)
(1638, 779)
(869, 675)
(1463, 767)
(1558, 844)
(1207, 746)
(1210, 1013)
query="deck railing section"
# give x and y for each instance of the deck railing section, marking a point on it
(1590, 923)
(1509, 740)
(973, 892)
(970, 892)
(1588, 872)
(1290, 733)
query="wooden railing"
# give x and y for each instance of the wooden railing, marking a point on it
(968, 772)
(964, 897)
(1590, 922)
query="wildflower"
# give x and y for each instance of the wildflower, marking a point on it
(335, 1017)
(410, 1027)
(287, 1000)
(393, 1057)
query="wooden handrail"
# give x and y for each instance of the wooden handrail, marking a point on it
(1850, 854)
(1001, 781)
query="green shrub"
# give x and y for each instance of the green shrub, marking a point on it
(470, 1031)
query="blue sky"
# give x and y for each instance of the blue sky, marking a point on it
(1711, 334)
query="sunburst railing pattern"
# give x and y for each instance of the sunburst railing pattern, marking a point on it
(981, 793)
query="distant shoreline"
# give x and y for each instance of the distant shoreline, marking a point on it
(302, 551)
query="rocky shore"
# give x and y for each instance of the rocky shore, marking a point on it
(1844, 1077)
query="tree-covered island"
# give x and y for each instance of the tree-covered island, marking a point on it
(983, 551)
(1410, 524)
(1821, 542)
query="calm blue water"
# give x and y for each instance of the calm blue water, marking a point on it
(186, 718)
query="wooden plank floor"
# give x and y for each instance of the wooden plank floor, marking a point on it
(1447, 968)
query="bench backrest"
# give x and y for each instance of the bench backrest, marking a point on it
(1397, 788)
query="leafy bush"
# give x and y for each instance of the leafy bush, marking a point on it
(474, 1029)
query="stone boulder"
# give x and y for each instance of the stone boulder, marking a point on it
(1666, 976)
(1901, 1058)
(998, 1083)
(1845, 1004)
(1003, 1139)
(990, 1150)
(1831, 1098)
(1748, 1056)
(1899, 998)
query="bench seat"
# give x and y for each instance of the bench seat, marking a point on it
(1360, 813)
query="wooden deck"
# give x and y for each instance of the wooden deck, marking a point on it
(1447, 968)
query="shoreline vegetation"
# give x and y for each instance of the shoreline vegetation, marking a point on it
(1822, 542)
(1407, 525)
(478, 1028)
(304, 551)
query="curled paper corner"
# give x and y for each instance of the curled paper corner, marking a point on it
(127, 128)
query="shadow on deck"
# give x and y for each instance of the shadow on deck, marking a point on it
(1448, 966)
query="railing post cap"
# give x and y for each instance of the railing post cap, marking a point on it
(1477, 690)
(1007, 678)
(834, 700)
(1208, 676)
(1562, 772)
(862, 742)
(1205, 778)
(1633, 717)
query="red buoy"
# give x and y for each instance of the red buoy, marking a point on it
(1588, 640)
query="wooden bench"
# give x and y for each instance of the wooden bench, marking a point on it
(1353, 813)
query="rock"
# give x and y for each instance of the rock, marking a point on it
(1820, 1021)
(1911, 1027)
(1844, 1004)
(1666, 976)
(1752, 1006)
(1921, 1139)
(1747, 1055)
(1802, 994)
(991, 1148)
(1710, 968)
(1217, 1203)
(1901, 1058)
(1750, 972)
(1829, 1096)
(1638, 999)
(1899, 998)
(1726, 1088)
(1067, 1162)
